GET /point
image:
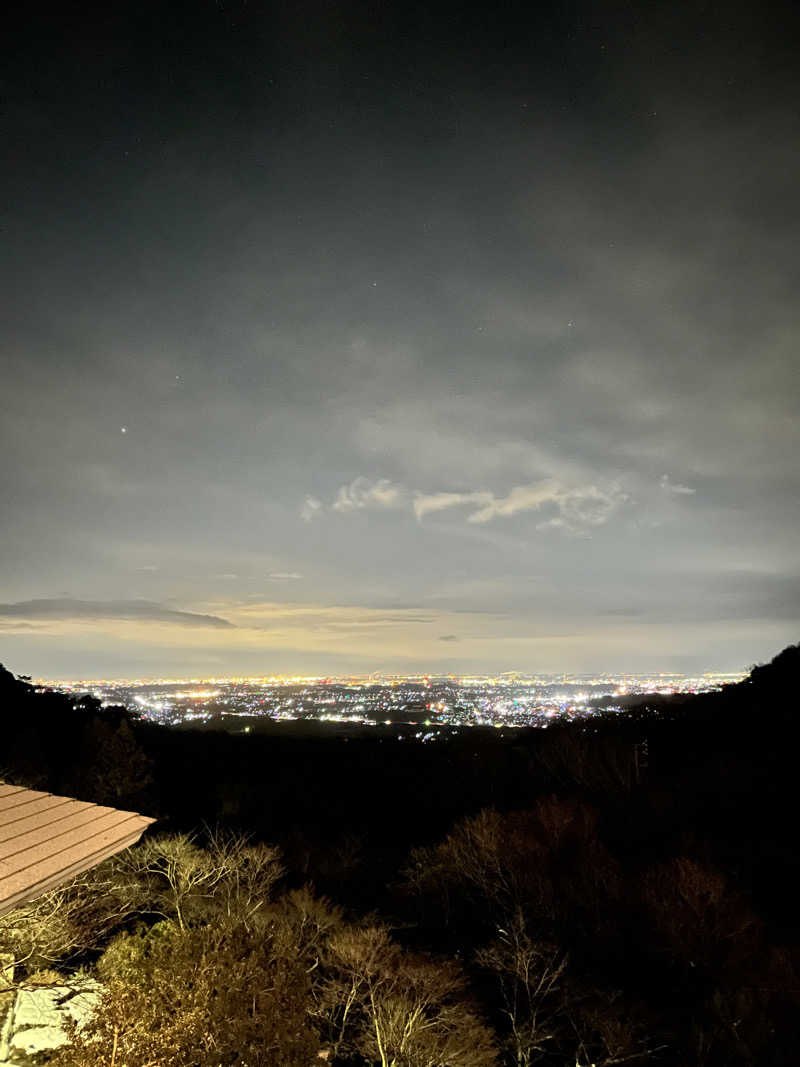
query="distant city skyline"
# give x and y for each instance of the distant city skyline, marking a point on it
(345, 340)
(249, 703)
(380, 679)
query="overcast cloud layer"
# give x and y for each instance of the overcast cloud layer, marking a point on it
(416, 344)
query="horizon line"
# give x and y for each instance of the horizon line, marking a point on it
(378, 677)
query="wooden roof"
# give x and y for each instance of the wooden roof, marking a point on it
(45, 840)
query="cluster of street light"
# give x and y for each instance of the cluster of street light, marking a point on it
(510, 700)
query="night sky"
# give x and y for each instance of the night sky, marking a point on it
(399, 337)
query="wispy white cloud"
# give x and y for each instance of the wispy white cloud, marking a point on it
(284, 576)
(571, 508)
(674, 488)
(362, 494)
(311, 508)
(520, 498)
(425, 503)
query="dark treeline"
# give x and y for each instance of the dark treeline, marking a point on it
(618, 890)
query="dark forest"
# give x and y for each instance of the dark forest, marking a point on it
(620, 890)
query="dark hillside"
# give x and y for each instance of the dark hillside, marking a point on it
(717, 769)
(655, 850)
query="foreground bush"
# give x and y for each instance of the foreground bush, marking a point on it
(204, 996)
(235, 975)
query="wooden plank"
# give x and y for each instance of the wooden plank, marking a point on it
(19, 873)
(31, 891)
(45, 840)
(37, 814)
(52, 838)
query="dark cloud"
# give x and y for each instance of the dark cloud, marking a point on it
(494, 313)
(135, 610)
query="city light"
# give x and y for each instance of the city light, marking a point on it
(510, 700)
